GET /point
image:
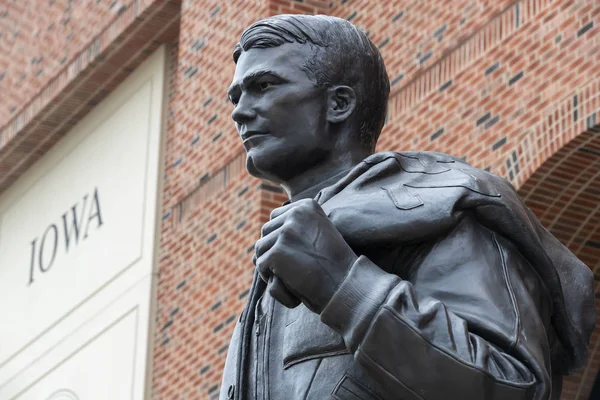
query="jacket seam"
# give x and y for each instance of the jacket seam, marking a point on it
(240, 380)
(267, 349)
(318, 355)
(362, 389)
(313, 378)
(362, 354)
(517, 327)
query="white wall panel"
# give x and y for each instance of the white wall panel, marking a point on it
(77, 246)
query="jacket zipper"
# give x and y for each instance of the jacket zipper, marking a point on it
(245, 336)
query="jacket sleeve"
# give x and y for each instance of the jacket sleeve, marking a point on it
(469, 322)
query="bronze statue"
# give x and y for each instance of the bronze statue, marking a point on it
(390, 275)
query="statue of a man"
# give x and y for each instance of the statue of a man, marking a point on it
(389, 275)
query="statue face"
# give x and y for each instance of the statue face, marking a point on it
(279, 113)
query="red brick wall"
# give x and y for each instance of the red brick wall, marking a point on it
(512, 86)
(493, 82)
(106, 58)
(38, 38)
(203, 139)
(212, 210)
(413, 35)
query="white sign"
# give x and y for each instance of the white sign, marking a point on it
(78, 229)
(113, 352)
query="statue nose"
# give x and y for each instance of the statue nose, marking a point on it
(243, 111)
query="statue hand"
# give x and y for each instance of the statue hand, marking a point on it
(305, 251)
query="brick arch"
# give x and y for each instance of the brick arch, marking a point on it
(553, 133)
(564, 192)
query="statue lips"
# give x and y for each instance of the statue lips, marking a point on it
(250, 135)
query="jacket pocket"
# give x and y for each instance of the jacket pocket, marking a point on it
(349, 389)
(307, 338)
(401, 197)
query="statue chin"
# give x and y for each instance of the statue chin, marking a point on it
(260, 167)
(251, 168)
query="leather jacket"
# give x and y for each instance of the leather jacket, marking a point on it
(450, 299)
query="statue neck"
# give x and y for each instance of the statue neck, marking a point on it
(309, 183)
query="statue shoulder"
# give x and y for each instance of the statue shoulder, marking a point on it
(439, 170)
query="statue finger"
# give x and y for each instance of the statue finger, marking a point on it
(280, 292)
(264, 244)
(263, 268)
(273, 225)
(281, 210)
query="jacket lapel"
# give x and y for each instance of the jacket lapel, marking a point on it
(299, 346)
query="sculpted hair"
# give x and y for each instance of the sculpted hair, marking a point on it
(342, 54)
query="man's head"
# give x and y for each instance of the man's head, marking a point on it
(335, 85)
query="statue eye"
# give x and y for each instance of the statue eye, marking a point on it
(264, 85)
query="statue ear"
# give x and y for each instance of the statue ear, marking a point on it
(341, 102)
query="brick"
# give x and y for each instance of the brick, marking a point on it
(585, 28)
(492, 68)
(499, 144)
(515, 78)
(483, 119)
(437, 134)
(445, 85)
